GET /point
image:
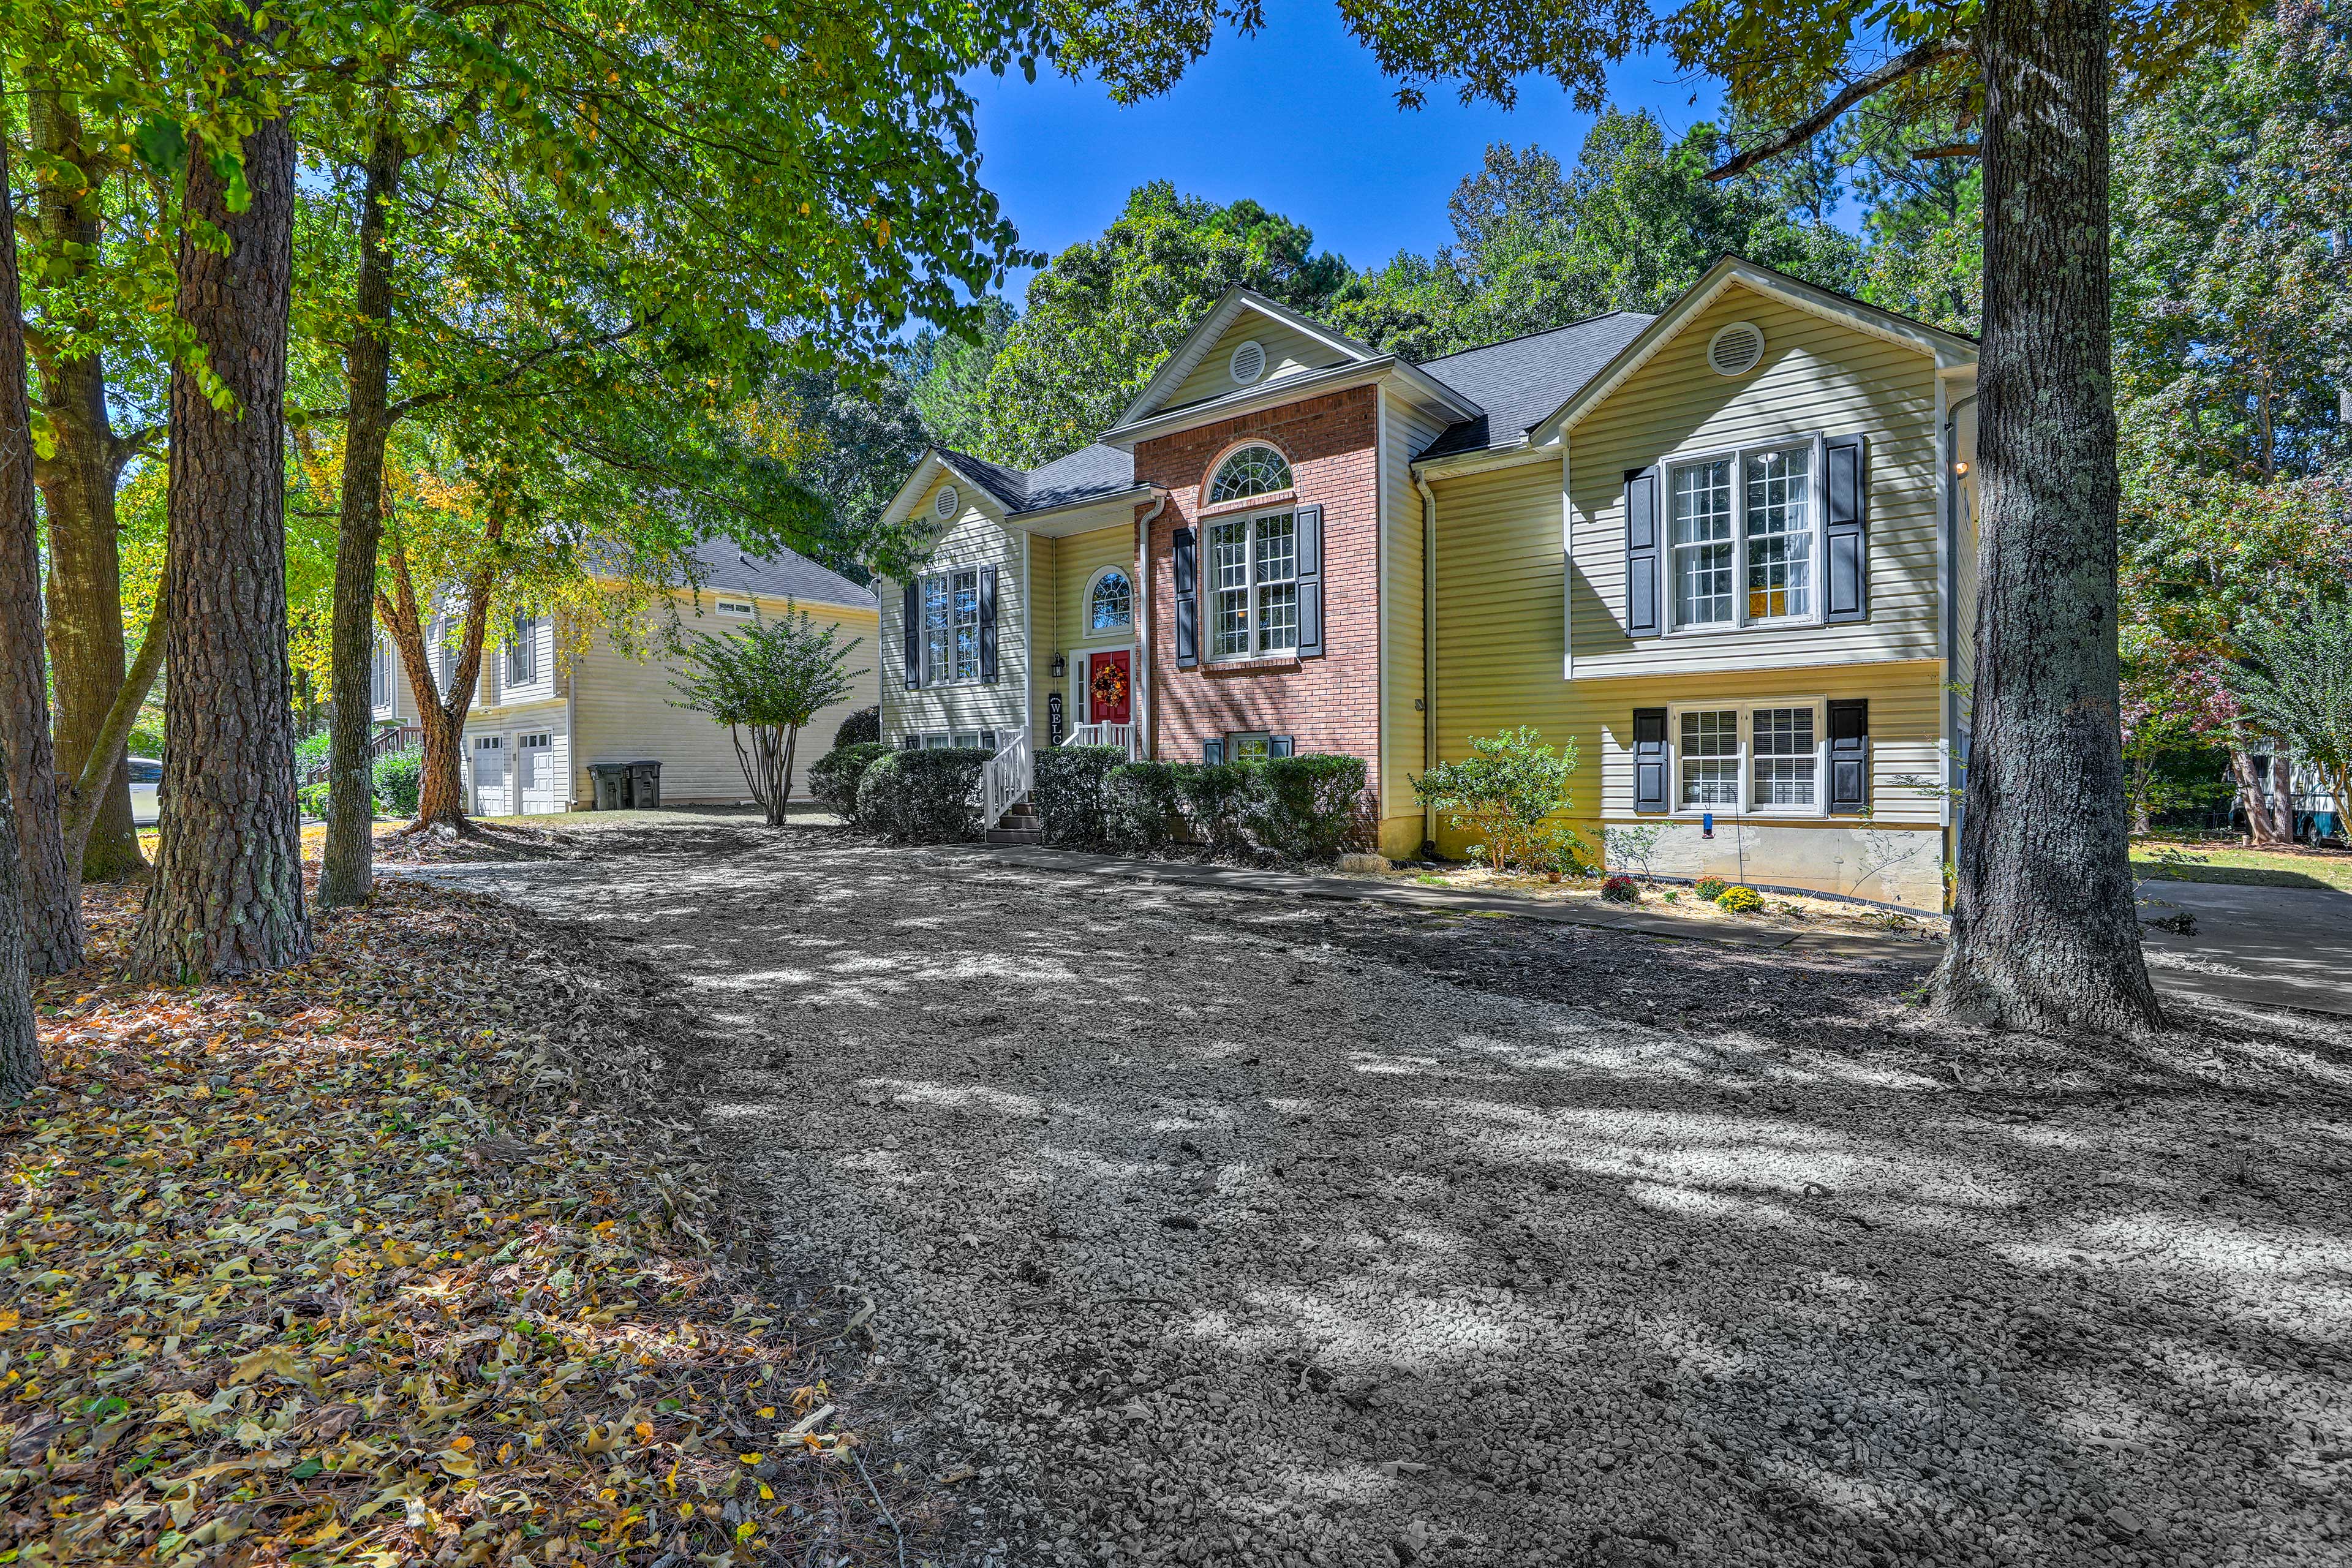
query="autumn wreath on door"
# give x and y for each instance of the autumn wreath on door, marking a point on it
(1106, 691)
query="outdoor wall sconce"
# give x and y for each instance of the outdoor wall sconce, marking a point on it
(1059, 667)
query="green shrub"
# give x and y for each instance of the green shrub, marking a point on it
(1711, 888)
(312, 799)
(923, 798)
(1561, 852)
(1143, 804)
(1072, 794)
(1306, 807)
(1740, 901)
(1218, 798)
(310, 753)
(399, 779)
(833, 777)
(1501, 792)
(859, 729)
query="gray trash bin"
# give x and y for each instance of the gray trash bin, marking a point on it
(612, 782)
(645, 782)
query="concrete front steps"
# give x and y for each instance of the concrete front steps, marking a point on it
(1020, 826)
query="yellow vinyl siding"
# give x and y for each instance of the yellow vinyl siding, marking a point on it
(624, 708)
(1289, 352)
(972, 539)
(1498, 597)
(1405, 429)
(1065, 568)
(1817, 377)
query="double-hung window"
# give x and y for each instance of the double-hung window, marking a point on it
(522, 652)
(1253, 576)
(949, 605)
(1744, 529)
(1760, 757)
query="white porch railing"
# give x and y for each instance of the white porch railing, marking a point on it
(1007, 779)
(1119, 735)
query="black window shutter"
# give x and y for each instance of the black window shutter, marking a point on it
(1278, 746)
(913, 743)
(913, 630)
(1188, 604)
(1212, 751)
(1642, 552)
(1649, 759)
(987, 623)
(1309, 527)
(1849, 757)
(1846, 539)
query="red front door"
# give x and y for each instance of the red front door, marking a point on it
(1109, 697)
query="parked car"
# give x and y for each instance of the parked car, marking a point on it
(146, 773)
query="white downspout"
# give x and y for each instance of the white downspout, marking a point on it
(1428, 642)
(1145, 748)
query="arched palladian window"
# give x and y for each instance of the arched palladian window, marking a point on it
(1110, 602)
(1252, 471)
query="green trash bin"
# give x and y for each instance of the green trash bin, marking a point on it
(612, 784)
(645, 785)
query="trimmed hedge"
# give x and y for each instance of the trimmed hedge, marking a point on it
(859, 729)
(1299, 808)
(923, 798)
(1143, 805)
(833, 778)
(1306, 807)
(1072, 795)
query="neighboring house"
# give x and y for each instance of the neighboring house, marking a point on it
(539, 720)
(1728, 550)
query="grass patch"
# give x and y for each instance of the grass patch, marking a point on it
(2191, 861)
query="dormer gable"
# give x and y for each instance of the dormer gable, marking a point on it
(1245, 342)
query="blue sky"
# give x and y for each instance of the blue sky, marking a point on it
(1298, 117)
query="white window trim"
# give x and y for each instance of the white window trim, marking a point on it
(946, 576)
(984, 737)
(1087, 605)
(1208, 508)
(1233, 739)
(740, 608)
(1209, 590)
(1817, 500)
(1746, 708)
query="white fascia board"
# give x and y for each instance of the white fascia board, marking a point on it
(1293, 389)
(1055, 521)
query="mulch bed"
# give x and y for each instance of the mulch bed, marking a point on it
(397, 1255)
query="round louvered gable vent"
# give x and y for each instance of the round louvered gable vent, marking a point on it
(943, 505)
(1735, 349)
(1248, 363)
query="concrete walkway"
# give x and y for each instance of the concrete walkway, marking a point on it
(2272, 947)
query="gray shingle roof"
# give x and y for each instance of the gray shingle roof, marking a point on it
(1520, 381)
(722, 564)
(1094, 470)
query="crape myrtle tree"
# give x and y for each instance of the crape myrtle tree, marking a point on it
(751, 186)
(2045, 934)
(767, 681)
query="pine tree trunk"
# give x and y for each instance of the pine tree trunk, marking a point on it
(20, 1041)
(49, 894)
(2045, 931)
(344, 867)
(228, 885)
(78, 484)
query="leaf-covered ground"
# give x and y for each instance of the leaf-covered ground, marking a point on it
(395, 1257)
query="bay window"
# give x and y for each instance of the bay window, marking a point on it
(1742, 529)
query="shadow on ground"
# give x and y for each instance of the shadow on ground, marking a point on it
(1202, 1228)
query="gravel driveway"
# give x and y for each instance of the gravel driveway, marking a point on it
(1220, 1229)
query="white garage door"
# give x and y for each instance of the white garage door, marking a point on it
(535, 771)
(490, 777)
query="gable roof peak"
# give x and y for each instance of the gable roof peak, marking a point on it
(1187, 355)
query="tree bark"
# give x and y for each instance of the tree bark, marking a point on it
(48, 902)
(228, 886)
(440, 720)
(2261, 817)
(345, 869)
(20, 1040)
(78, 484)
(2045, 928)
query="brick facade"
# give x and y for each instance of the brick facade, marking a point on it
(1329, 703)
